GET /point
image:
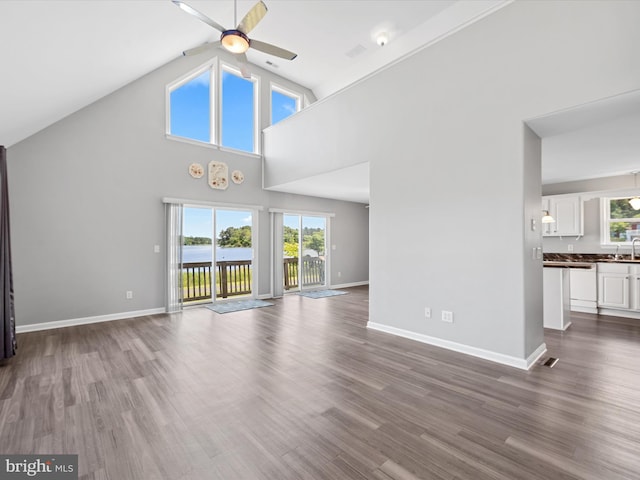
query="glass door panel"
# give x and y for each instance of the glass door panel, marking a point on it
(313, 251)
(291, 251)
(197, 254)
(234, 253)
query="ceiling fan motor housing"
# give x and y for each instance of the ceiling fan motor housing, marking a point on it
(235, 41)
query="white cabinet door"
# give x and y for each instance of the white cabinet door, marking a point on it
(567, 212)
(583, 284)
(635, 292)
(613, 290)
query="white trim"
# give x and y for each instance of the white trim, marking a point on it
(624, 313)
(606, 220)
(265, 296)
(567, 325)
(191, 141)
(35, 327)
(195, 203)
(536, 355)
(521, 363)
(184, 79)
(352, 284)
(581, 309)
(302, 212)
(240, 152)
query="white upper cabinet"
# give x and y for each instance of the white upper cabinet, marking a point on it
(568, 214)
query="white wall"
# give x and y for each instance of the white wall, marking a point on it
(86, 204)
(449, 162)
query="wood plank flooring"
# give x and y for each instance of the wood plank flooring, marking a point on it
(302, 390)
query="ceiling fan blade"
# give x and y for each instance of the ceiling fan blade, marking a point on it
(243, 63)
(252, 18)
(192, 11)
(272, 49)
(201, 48)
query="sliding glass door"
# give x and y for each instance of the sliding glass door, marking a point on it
(304, 251)
(220, 262)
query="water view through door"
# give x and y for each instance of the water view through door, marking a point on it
(304, 251)
(230, 250)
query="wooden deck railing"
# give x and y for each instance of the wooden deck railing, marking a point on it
(232, 278)
(312, 272)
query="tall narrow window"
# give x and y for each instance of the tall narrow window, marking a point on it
(283, 104)
(238, 115)
(191, 109)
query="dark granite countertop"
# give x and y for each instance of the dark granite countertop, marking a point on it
(571, 260)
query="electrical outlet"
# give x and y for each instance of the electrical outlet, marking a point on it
(129, 295)
(427, 312)
(447, 316)
(339, 274)
(570, 248)
(156, 249)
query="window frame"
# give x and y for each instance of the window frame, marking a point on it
(222, 67)
(605, 221)
(210, 65)
(215, 67)
(275, 87)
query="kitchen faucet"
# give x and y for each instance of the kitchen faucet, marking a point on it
(633, 247)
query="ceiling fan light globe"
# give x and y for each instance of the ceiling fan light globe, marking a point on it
(234, 41)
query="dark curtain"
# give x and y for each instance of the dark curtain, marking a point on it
(8, 323)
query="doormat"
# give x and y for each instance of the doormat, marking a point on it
(322, 293)
(238, 306)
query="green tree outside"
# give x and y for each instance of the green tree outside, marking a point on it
(235, 237)
(196, 241)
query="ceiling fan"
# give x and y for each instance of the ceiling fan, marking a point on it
(236, 40)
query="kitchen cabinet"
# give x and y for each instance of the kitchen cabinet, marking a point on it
(584, 283)
(613, 286)
(568, 215)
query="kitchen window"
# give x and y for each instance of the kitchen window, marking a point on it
(620, 222)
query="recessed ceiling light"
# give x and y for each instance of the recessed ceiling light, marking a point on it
(382, 39)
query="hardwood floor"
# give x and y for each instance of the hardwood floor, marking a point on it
(302, 390)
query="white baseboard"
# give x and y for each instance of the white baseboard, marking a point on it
(265, 296)
(619, 313)
(521, 363)
(353, 284)
(34, 327)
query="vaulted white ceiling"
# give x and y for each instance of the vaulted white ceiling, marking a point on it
(58, 56)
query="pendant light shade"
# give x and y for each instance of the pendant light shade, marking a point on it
(546, 218)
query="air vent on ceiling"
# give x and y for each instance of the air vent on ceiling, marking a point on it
(271, 64)
(355, 51)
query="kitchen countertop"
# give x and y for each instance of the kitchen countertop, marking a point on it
(568, 264)
(574, 260)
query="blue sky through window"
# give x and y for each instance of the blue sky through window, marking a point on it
(198, 222)
(237, 112)
(191, 109)
(282, 106)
